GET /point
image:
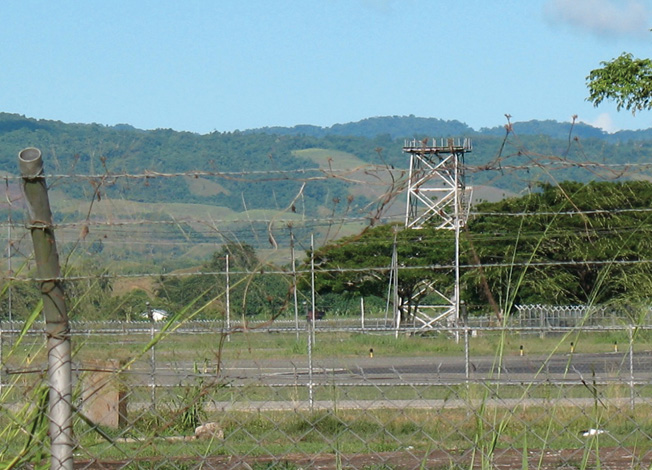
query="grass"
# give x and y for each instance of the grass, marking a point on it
(208, 347)
(458, 416)
(373, 431)
(263, 345)
(420, 396)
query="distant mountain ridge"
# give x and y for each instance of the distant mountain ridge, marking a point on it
(393, 126)
(413, 126)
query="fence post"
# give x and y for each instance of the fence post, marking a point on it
(310, 318)
(294, 285)
(152, 358)
(57, 328)
(1, 356)
(632, 396)
(467, 354)
(227, 293)
(313, 313)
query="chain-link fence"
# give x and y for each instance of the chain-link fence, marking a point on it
(438, 370)
(156, 395)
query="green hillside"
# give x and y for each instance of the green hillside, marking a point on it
(171, 192)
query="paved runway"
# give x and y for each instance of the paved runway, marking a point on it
(601, 368)
(606, 366)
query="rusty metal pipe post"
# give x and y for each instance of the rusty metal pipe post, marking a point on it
(57, 327)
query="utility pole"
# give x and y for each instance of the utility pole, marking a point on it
(313, 313)
(152, 357)
(9, 266)
(294, 284)
(228, 299)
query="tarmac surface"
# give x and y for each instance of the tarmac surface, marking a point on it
(602, 367)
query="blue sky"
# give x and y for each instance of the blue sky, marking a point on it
(200, 65)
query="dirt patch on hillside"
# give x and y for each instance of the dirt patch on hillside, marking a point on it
(204, 187)
(123, 286)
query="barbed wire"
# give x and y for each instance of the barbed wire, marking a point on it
(304, 271)
(258, 228)
(283, 222)
(272, 174)
(553, 163)
(314, 221)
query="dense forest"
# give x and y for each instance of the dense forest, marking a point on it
(97, 149)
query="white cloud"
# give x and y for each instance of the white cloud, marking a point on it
(602, 17)
(604, 122)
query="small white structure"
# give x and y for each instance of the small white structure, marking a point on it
(157, 314)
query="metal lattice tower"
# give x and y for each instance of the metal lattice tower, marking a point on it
(437, 196)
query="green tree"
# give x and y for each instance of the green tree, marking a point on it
(88, 289)
(18, 299)
(361, 265)
(625, 80)
(129, 306)
(256, 289)
(568, 244)
(571, 243)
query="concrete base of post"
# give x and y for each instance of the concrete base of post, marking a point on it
(103, 394)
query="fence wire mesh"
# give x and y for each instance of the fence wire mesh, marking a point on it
(197, 398)
(214, 364)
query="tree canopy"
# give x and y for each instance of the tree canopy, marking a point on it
(252, 290)
(361, 265)
(625, 80)
(565, 244)
(568, 244)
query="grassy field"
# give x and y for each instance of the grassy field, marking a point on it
(279, 433)
(210, 343)
(476, 415)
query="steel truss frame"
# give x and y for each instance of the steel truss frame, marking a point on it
(437, 195)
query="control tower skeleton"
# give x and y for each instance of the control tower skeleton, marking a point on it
(438, 196)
